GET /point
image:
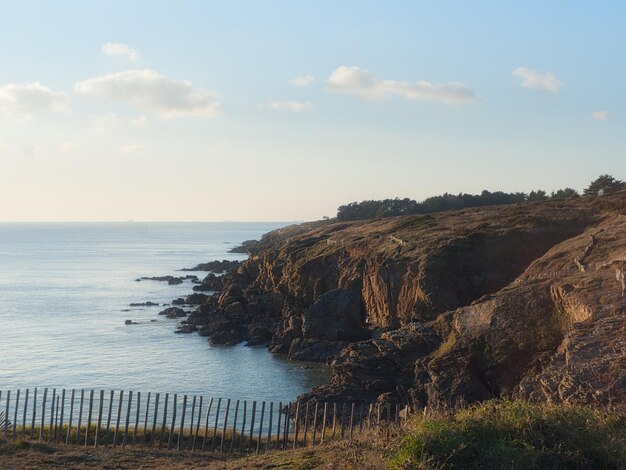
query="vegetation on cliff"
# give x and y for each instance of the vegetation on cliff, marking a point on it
(372, 209)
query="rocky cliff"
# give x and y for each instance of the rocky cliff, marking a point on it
(521, 300)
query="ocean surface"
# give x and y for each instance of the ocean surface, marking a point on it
(65, 291)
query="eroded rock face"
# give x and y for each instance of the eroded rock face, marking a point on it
(557, 332)
(336, 316)
(516, 300)
(210, 283)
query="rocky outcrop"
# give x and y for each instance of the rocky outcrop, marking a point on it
(173, 312)
(215, 266)
(196, 299)
(171, 280)
(245, 247)
(211, 283)
(556, 332)
(516, 300)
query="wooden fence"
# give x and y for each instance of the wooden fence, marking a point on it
(183, 422)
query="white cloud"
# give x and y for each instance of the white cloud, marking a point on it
(357, 81)
(150, 91)
(67, 148)
(120, 50)
(131, 149)
(600, 115)
(303, 82)
(539, 81)
(139, 122)
(291, 106)
(104, 124)
(24, 100)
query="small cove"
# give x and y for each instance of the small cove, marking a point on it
(65, 295)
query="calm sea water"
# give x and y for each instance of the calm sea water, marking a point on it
(63, 289)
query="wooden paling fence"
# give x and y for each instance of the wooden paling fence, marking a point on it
(184, 422)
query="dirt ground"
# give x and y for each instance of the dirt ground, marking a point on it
(342, 455)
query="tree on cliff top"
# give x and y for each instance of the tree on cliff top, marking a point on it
(604, 184)
(564, 193)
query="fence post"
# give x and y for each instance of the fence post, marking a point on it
(52, 403)
(56, 417)
(181, 429)
(217, 417)
(137, 412)
(119, 416)
(206, 423)
(128, 408)
(193, 415)
(80, 414)
(145, 420)
(109, 412)
(286, 428)
(32, 423)
(173, 426)
(280, 407)
(69, 421)
(195, 437)
(224, 427)
(99, 425)
(154, 419)
(297, 428)
(269, 429)
(89, 416)
(314, 424)
(232, 441)
(43, 413)
(252, 424)
(306, 423)
(62, 415)
(258, 442)
(164, 423)
(243, 425)
(17, 404)
(25, 409)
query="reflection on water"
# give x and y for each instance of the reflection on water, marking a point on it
(64, 295)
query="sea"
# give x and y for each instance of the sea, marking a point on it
(65, 291)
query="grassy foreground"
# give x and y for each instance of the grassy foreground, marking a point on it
(493, 435)
(514, 435)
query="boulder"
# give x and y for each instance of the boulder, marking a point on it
(173, 312)
(215, 266)
(196, 299)
(186, 328)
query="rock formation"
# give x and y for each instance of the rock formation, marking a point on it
(523, 300)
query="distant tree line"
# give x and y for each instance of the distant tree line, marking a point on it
(373, 209)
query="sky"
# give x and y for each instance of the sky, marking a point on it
(283, 110)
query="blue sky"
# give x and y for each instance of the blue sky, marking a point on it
(283, 110)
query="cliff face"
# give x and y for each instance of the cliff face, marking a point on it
(525, 300)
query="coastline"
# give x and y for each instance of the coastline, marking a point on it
(396, 326)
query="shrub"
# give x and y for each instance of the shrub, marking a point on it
(515, 435)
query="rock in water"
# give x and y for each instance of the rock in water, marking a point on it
(173, 312)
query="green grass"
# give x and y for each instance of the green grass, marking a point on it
(514, 435)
